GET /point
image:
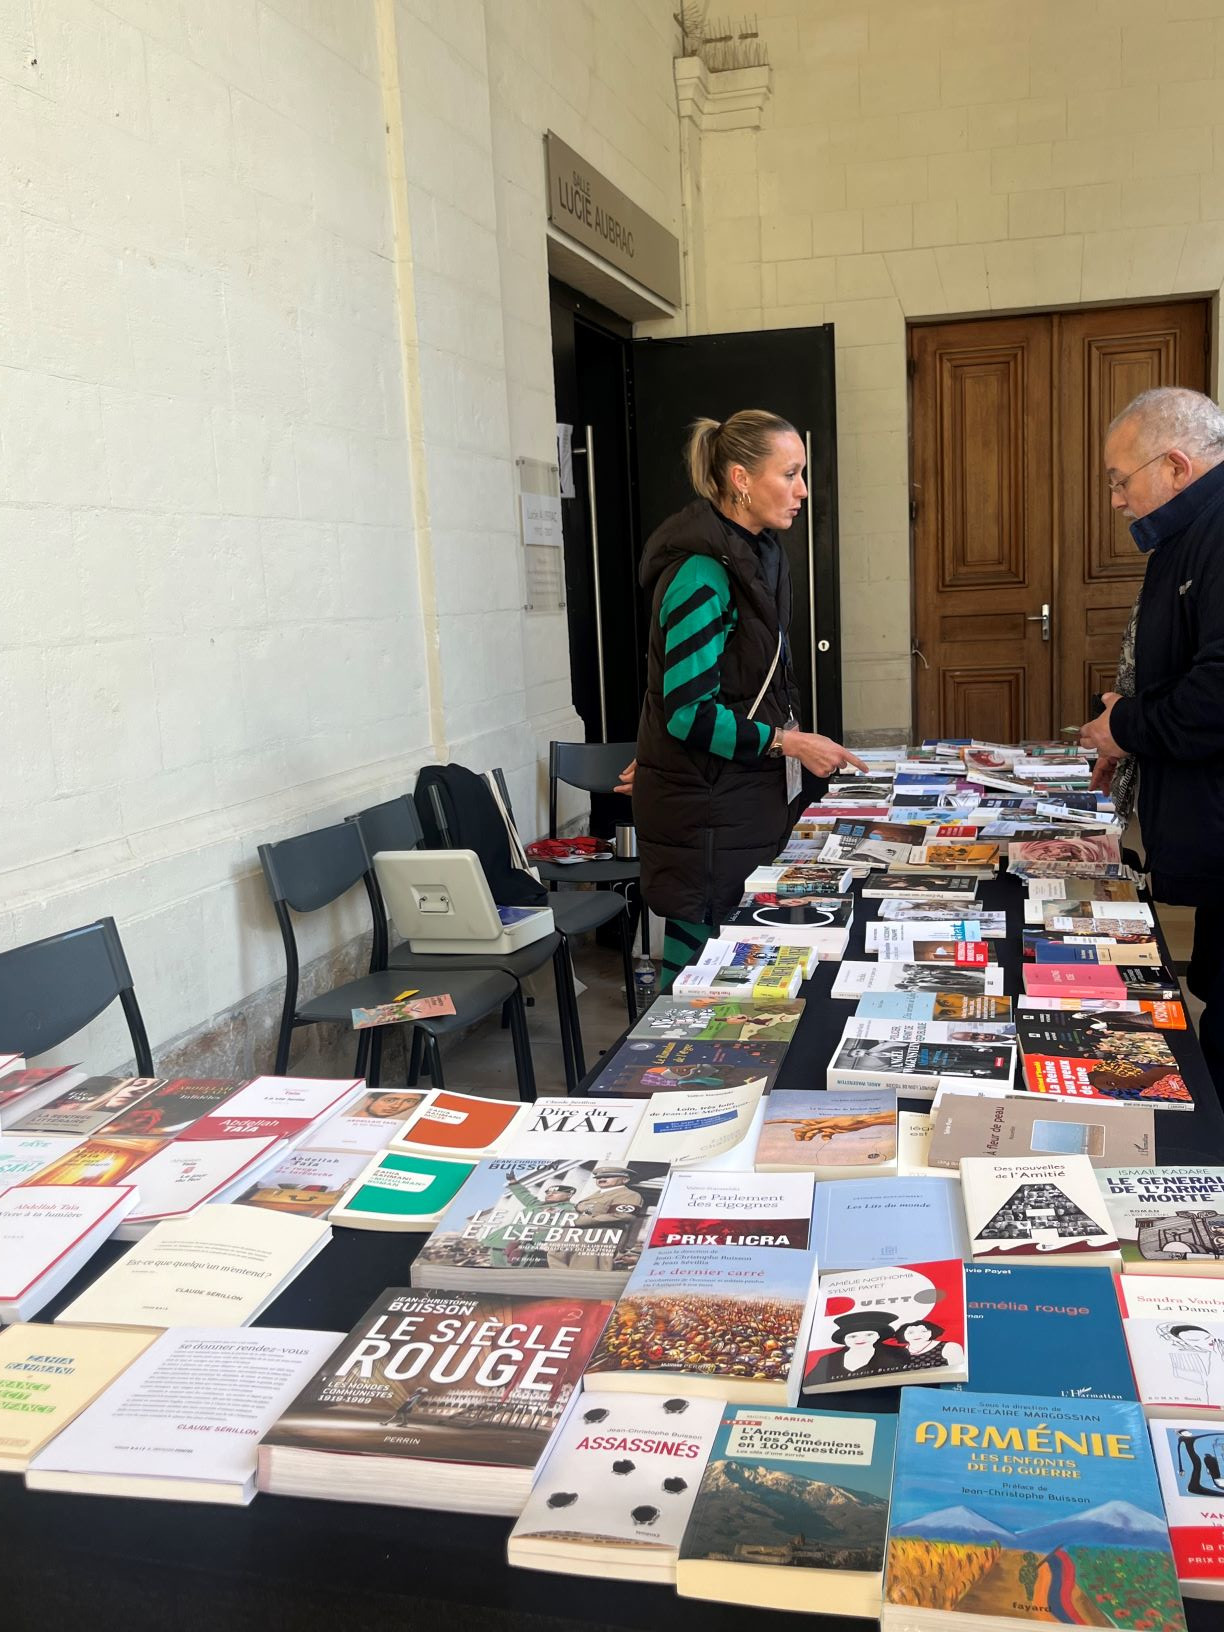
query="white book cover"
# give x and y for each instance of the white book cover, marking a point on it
(46, 1232)
(886, 939)
(219, 1266)
(689, 1127)
(1170, 1297)
(616, 1489)
(770, 944)
(855, 978)
(184, 1421)
(1189, 1457)
(284, 1106)
(1047, 1208)
(1178, 1365)
(1167, 1218)
(22, 1155)
(556, 1127)
(913, 1146)
(188, 1173)
(369, 1124)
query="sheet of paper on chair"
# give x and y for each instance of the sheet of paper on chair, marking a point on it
(395, 1014)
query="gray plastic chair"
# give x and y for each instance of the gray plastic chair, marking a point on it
(53, 988)
(307, 873)
(395, 825)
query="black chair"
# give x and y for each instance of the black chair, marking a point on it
(311, 871)
(395, 825)
(53, 988)
(580, 912)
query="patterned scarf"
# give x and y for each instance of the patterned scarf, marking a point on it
(1126, 777)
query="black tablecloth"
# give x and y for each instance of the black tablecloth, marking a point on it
(284, 1564)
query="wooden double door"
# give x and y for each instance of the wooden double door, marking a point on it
(1023, 574)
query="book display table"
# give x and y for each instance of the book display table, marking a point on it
(288, 1565)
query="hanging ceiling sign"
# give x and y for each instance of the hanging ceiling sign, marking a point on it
(598, 215)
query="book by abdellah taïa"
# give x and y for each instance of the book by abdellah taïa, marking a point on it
(436, 1399)
(1014, 1510)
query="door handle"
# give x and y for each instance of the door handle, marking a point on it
(1043, 618)
(916, 651)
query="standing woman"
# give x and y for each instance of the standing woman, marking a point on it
(719, 725)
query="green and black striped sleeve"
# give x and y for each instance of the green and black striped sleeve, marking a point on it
(696, 616)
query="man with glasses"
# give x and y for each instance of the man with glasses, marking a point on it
(1164, 463)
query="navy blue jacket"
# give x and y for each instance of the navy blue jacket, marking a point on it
(1174, 723)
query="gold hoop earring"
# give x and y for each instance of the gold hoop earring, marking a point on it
(747, 499)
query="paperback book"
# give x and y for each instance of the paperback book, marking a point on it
(1026, 1330)
(86, 1107)
(1190, 1466)
(48, 1374)
(744, 972)
(916, 1066)
(1048, 1209)
(888, 1327)
(172, 1107)
(444, 1400)
(98, 1160)
(307, 1183)
(883, 1222)
(719, 1302)
(712, 1020)
(792, 1512)
(822, 924)
(1178, 1366)
(47, 1233)
(565, 1226)
(691, 1127)
(932, 1006)
(370, 1123)
(1014, 1509)
(1032, 1125)
(458, 1125)
(615, 1492)
(958, 888)
(639, 1068)
(24, 1156)
(400, 1190)
(1168, 1220)
(1100, 1056)
(848, 1135)
(554, 1127)
(854, 979)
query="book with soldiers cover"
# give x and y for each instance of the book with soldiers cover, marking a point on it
(640, 1067)
(616, 1490)
(566, 1224)
(792, 1512)
(722, 1295)
(439, 1399)
(1036, 1210)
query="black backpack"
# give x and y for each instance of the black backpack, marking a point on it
(473, 822)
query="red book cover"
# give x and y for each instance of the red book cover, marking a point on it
(1111, 1081)
(884, 1326)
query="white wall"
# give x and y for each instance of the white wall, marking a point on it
(953, 158)
(262, 383)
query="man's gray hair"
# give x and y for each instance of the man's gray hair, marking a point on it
(1170, 416)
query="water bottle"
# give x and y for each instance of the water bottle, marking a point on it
(645, 981)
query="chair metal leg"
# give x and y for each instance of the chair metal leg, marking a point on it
(414, 1062)
(571, 993)
(281, 1068)
(434, 1056)
(374, 1075)
(361, 1065)
(626, 940)
(561, 978)
(524, 1066)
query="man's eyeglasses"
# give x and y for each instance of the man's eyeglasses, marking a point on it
(1120, 485)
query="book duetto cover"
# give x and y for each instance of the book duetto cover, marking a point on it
(448, 1378)
(1029, 1509)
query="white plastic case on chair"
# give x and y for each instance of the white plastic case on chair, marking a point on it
(440, 901)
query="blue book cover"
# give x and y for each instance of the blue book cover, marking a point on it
(871, 1223)
(1022, 1508)
(1063, 952)
(1028, 1327)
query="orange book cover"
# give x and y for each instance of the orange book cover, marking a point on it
(458, 1122)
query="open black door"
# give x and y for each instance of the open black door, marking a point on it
(789, 372)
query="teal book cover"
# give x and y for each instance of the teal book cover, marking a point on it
(1019, 1509)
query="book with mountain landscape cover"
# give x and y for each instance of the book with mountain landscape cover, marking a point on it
(1046, 1209)
(1036, 1125)
(864, 1224)
(616, 1489)
(1030, 1329)
(640, 1067)
(1014, 1510)
(1168, 1220)
(562, 1225)
(888, 1327)
(704, 1019)
(437, 1399)
(848, 1135)
(720, 1300)
(792, 1512)
(1190, 1466)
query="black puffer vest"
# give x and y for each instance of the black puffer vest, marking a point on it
(703, 822)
